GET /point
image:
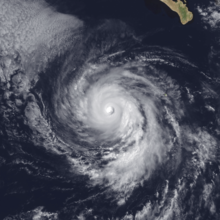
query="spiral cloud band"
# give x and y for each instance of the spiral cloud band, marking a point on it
(93, 116)
(117, 111)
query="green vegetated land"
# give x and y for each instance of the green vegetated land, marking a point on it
(181, 9)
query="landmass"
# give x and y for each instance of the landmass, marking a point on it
(181, 9)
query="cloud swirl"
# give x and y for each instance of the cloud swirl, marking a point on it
(125, 145)
(99, 115)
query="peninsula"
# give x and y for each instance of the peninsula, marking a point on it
(181, 9)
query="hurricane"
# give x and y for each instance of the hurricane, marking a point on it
(100, 123)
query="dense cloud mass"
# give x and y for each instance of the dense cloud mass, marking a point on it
(210, 15)
(97, 124)
(35, 30)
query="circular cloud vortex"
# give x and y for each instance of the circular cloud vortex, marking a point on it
(99, 121)
(122, 117)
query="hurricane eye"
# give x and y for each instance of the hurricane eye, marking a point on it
(109, 110)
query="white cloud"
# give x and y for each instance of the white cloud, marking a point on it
(28, 26)
(210, 15)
